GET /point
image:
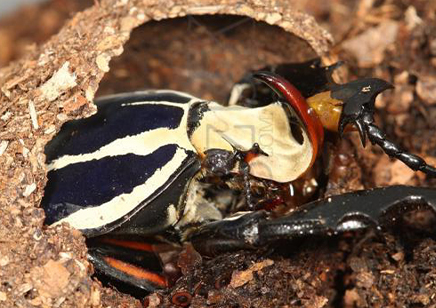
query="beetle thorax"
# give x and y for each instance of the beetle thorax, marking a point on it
(288, 146)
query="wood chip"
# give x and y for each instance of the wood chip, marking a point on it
(29, 190)
(3, 146)
(426, 89)
(51, 279)
(103, 62)
(33, 116)
(239, 278)
(273, 18)
(412, 18)
(369, 47)
(4, 261)
(59, 83)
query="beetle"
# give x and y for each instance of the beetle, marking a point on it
(131, 177)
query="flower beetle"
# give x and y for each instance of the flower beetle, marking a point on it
(128, 168)
(128, 176)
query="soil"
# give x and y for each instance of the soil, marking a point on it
(389, 39)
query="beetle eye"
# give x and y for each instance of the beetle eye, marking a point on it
(182, 299)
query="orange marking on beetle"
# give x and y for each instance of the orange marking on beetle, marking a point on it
(299, 104)
(250, 156)
(129, 244)
(137, 272)
(327, 108)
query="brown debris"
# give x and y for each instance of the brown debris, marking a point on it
(352, 298)
(345, 174)
(392, 172)
(317, 302)
(188, 259)
(51, 279)
(369, 47)
(153, 300)
(426, 89)
(239, 278)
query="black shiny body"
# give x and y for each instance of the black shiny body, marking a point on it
(376, 208)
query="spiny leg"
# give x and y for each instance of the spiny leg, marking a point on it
(352, 211)
(244, 157)
(377, 207)
(414, 162)
(222, 162)
(367, 129)
(358, 98)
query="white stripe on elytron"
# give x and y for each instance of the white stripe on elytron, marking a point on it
(184, 106)
(145, 92)
(140, 144)
(106, 213)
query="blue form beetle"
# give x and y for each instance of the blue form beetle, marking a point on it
(127, 176)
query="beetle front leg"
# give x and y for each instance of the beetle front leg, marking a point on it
(244, 158)
(230, 234)
(377, 207)
(348, 212)
(221, 162)
(358, 99)
(367, 127)
(414, 162)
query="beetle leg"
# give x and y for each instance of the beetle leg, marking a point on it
(244, 158)
(358, 99)
(230, 234)
(244, 168)
(221, 162)
(414, 162)
(352, 211)
(367, 127)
